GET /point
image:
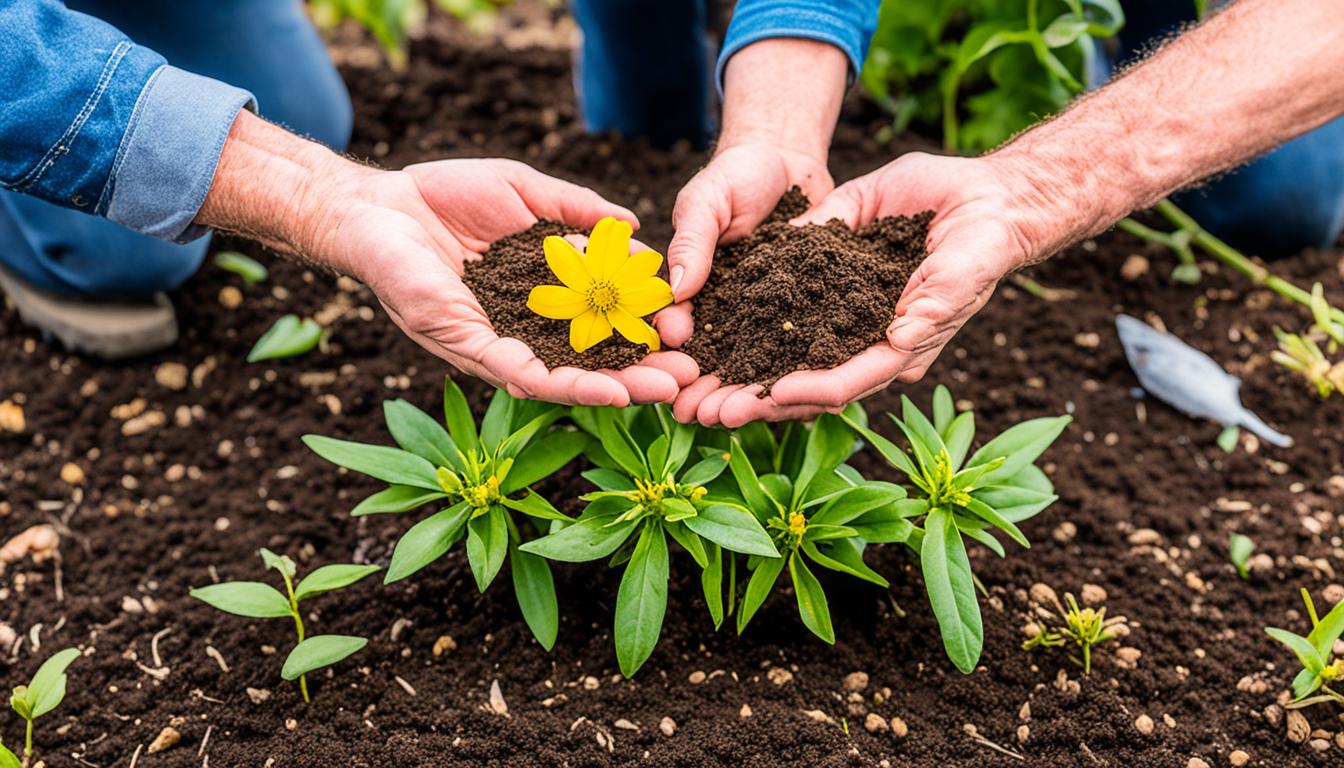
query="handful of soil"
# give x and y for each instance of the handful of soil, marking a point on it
(502, 280)
(787, 299)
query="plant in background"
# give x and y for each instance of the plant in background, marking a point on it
(41, 695)
(605, 287)
(817, 510)
(246, 267)
(256, 600)
(483, 476)
(998, 487)
(648, 493)
(1314, 651)
(391, 22)
(290, 336)
(1084, 627)
(984, 69)
(1239, 549)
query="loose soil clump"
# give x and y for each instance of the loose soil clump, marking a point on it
(502, 280)
(788, 298)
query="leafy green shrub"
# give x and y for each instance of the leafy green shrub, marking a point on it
(1314, 652)
(644, 497)
(984, 69)
(483, 476)
(41, 695)
(998, 487)
(391, 22)
(256, 600)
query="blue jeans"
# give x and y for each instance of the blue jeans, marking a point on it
(265, 46)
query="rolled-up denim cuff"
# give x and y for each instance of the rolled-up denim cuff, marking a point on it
(751, 25)
(166, 161)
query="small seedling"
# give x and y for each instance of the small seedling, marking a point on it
(256, 600)
(998, 487)
(1314, 652)
(290, 336)
(41, 695)
(1086, 627)
(647, 493)
(1227, 439)
(1239, 549)
(484, 477)
(251, 270)
(1301, 354)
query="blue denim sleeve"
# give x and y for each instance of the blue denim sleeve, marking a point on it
(89, 120)
(846, 24)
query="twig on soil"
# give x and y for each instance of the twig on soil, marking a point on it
(205, 742)
(136, 757)
(1044, 293)
(154, 645)
(974, 733)
(214, 653)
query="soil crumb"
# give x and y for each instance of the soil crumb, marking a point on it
(787, 298)
(502, 280)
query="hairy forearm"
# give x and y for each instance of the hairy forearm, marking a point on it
(785, 92)
(1249, 78)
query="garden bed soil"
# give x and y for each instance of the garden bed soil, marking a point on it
(177, 500)
(786, 298)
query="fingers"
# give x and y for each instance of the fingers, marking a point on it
(551, 198)
(707, 412)
(846, 203)
(688, 401)
(675, 324)
(839, 386)
(678, 365)
(702, 212)
(512, 361)
(646, 384)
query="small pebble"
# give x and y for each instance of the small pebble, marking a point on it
(856, 681)
(1093, 594)
(171, 376)
(1144, 537)
(779, 675)
(230, 297)
(1298, 727)
(1238, 758)
(874, 723)
(745, 712)
(443, 644)
(1144, 724)
(166, 739)
(258, 695)
(697, 677)
(668, 726)
(1196, 762)
(899, 728)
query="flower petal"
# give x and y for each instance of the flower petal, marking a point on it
(608, 248)
(646, 296)
(634, 329)
(588, 329)
(557, 302)
(639, 266)
(567, 263)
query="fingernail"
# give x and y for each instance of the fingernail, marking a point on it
(907, 333)
(678, 274)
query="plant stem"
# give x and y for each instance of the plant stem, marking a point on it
(298, 624)
(28, 742)
(1042, 292)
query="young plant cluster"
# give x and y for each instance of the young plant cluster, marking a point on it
(41, 695)
(1321, 670)
(743, 507)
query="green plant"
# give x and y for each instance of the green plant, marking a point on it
(251, 270)
(998, 487)
(41, 695)
(256, 600)
(1227, 439)
(646, 494)
(484, 477)
(984, 69)
(817, 509)
(1314, 652)
(1086, 627)
(1301, 354)
(8, 759)
(391, 22)
(1239, 549)
(290, 336)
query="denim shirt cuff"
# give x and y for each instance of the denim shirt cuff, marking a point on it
(751, 24)
(166, 161)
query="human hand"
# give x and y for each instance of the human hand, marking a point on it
(988, 222)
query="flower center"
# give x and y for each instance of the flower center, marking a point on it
(603, 295)
(797, 525)
(649, 494)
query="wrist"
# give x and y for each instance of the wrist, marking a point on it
(786, 93)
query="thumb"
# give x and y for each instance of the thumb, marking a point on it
(844, 203)
(550, 198)
(700, 216)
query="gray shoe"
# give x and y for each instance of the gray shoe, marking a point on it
(110, 329)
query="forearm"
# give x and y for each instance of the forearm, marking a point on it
(1248, 79)
(785, 92)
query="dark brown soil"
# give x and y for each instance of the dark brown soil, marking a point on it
(787, 298)
(192, 500)
(502, 280)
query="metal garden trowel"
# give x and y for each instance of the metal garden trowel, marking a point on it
(1188, 380)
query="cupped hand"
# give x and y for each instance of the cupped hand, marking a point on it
(408, 235)
(984, 227)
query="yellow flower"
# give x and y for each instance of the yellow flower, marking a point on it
(605, 287)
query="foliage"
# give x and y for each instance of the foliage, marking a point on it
(290, 336)
(1085, 627)
(958, 498)
(246, 267)
(391, 22)
(256, 600)
(1301, 354)
(1239, 549)
(41, 695)
(1314, 652)
(483, 476)
(649, 490)
(8, 759)
(984, 69)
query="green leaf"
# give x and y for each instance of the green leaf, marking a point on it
(543, 458)
(1227, 439)
(290, 336)
(8, 759)
(958, 438)
(318, 652)
(417, 432)
(689, 541)
(1019, 446)
(986, 513)
(591, 538)
(246, 267)
(711, 583)
(747, 482)
(642, 600)
(758, 588)
(943, 409)
(890, 524)
(497, 419)
(1239, 550)
(245, 598)
(951, 588)
(534, 505)
(331, 577)
(391, 465)
(657, 455)
(914, 418)
(683, 439)
(1012, 503)
(1064, 30)
(886, 449)
(487, 545)
(1328, 630)
(870, 495)
(812, 605)
(608, 479)
(1306, 653)
(705, 471)
(734, 529)
(844, 557)
(426, 541)
(1305, 683)
(828, 445)
(619, 445)
(457, 415)
(394, 499)
(535, 590)
(280, 563)
(47, 689)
